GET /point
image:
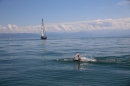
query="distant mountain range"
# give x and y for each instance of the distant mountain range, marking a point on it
(69, 34)
(18, 35)
(49, 35)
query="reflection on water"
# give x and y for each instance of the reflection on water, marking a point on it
(81, 65)
(42, 41)
(77, 65)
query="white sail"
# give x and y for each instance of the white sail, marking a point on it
(43, 36)
(42, 28)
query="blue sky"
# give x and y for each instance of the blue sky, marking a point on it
(22, 13)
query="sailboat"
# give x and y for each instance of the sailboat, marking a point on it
(43, 36)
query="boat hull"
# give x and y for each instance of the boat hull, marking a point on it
(43, 37)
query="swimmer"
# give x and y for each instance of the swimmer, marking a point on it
(77, 57)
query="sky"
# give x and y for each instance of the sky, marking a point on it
(24, 16)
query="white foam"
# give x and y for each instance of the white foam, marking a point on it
(88, 59)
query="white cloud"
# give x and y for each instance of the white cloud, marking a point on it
(10, 26)
(124, 2)
(91, 25)
(106, 24)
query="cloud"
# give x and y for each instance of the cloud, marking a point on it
(93, 25)
(10, 26)
(124, 2)
(19, 29)
(106, 24)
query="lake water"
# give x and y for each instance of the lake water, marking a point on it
(35, 62)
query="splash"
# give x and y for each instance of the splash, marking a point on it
(85, 59)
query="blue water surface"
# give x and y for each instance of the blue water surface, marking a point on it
(35, 62)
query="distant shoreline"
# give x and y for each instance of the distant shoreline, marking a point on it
(51, 35)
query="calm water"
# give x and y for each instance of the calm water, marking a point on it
(35, 62)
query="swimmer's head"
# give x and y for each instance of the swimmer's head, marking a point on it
(78, 55)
